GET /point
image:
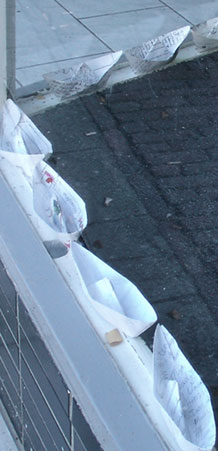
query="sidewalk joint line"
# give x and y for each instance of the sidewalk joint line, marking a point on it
(121, 12)
(176, 12)
(60, 61)
(85, 26)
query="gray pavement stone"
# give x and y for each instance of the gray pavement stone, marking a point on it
(184, 249)
(166, 170)
(188, 182)
(74, 123)
(199, 208)
(178, 197)
(125, 238)
(134, 117)
(147, 267)
(199, 222)
(102, 180)
(161, 229)
(99, 112)
(168, 287)
(199, 168)
(153, 157)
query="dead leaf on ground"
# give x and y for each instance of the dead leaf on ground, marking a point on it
(98, 244)
(164, 114)
(174, 314)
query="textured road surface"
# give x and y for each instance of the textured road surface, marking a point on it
(154, 151)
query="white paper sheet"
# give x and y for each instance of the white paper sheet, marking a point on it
(68, 82)
(114, 297)
(19, 135)
(157, 52)
(24, 164)
(181, 392)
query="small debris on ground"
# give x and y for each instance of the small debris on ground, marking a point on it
(164, 114)
(107, 201)
(97, 244)
(53, 160)
(40, 97)
(174, 314)
(176, 226)
(90, 133)
(114, 337)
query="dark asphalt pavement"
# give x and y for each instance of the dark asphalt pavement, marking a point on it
(155, 153)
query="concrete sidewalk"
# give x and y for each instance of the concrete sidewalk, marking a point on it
(56, 34)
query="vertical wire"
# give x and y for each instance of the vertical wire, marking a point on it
(20, 368)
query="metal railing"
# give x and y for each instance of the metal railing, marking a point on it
(41, 407)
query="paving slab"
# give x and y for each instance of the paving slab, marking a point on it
(195, 11)
(51, 34)
(135, 27)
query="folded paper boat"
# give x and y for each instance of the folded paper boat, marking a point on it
(67, 82)
(56, 210)
(56, 202)
(18, 134)
(112, 295)
(183, 395)
(157, 52)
